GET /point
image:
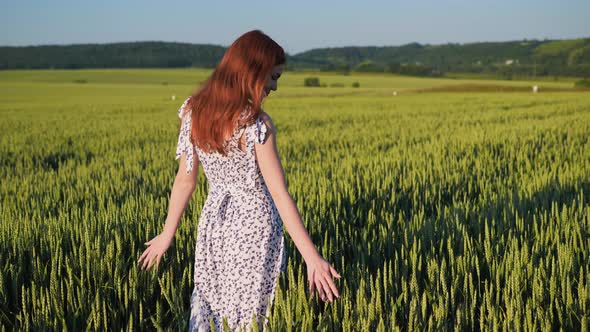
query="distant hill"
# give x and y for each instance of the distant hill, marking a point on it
(534, 57)
(526, 57)
(149, 54)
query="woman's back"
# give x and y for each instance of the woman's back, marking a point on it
(240, 244)
(236, 170)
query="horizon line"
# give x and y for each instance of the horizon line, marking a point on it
(307, 50)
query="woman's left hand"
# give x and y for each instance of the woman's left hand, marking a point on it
(156, 249)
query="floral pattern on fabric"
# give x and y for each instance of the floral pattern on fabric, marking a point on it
(239, 252)
(184, 145)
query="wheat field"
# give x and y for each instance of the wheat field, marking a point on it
(442, 209)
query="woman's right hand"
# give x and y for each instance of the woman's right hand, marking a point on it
(319, 275)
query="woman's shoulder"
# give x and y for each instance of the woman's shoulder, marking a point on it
(263, 127)
(267, 120)
(183, 109)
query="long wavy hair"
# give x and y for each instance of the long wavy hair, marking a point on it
(232, 95)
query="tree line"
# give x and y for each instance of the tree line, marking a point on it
(506, 59)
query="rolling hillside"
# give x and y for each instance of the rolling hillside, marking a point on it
(527, 57)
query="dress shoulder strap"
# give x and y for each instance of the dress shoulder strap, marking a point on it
(182, 110)
(261, 130)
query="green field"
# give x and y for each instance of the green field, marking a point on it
(465, 210)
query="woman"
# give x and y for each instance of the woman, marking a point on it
(240, 243)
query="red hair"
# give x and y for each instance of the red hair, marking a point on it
(235, 85)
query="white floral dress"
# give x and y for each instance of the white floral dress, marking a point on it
(240, 245)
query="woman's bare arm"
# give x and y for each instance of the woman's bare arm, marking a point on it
(272, 171)
(182, 190)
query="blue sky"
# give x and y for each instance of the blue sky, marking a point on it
(296, 25)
